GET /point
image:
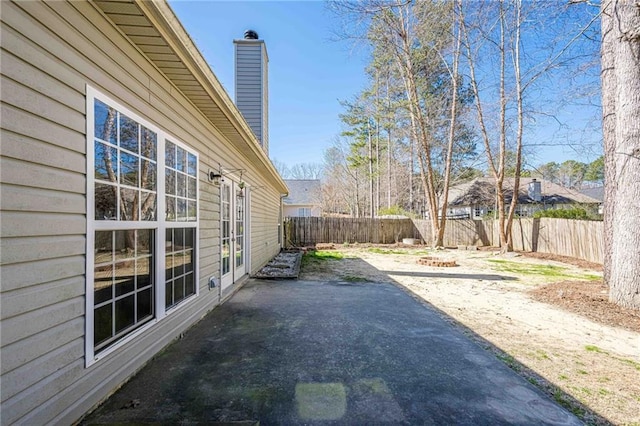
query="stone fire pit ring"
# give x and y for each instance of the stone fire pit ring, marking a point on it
(436, 261)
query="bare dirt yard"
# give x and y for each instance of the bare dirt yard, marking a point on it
(546, 317)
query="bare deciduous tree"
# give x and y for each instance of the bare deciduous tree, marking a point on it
(502, 31)
(298, 170)
(306, 171)
(415, 38)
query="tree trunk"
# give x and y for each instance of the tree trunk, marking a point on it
(457, 34)
(388, 148)
(389, 169)
(357, 184)
(377, 168)
(608, 79)
(520, 120)
(623, 142)
(371, 206)
(411, 174)
(377, 207)
(497, 172)
(502, 220)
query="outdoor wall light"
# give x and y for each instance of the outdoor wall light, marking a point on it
(215, 177)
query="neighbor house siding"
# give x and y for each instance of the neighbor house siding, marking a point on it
(292, 210)
(50, 52)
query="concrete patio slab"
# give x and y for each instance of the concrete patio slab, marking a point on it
(302, 352)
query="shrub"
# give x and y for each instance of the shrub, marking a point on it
(573, 213)
(395, 211)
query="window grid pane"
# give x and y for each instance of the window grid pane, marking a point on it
(122, 283)
(225, 207)
(239, 255)
(181, 182)
(180, 265)
(122, 167)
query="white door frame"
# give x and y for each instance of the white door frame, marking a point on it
(229, 201)
(226, 212)
(239, 231)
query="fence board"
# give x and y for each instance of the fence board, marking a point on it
(575, 238)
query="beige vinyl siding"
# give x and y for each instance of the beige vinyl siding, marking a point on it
(264, 227)
(43, 181)
(49, 53)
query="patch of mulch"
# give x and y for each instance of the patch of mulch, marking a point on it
(580, 263)
(325, 246)
(589, 299)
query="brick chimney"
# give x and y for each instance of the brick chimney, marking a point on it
(251, 84)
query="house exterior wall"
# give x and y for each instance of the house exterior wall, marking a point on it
(292, 210)
(459, 212)
(50, 53)
(251, 86)
(265, 217)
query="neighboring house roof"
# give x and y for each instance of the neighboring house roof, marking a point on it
(155, 30)
(482, 191)
(595, 192)
(303, 191)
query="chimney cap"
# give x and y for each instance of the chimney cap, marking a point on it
(250, 35)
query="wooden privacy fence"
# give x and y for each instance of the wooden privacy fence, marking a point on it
(575, 238)
(459, 232)
(308, 231)
(583, 239)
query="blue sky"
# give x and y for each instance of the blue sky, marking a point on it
(309, 73)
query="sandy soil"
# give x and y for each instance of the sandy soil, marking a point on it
(518, 307)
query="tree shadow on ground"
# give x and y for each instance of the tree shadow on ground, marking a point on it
(488, 277)
(561, 397)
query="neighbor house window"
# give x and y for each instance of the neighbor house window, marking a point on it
(137, 252)
(304, 212)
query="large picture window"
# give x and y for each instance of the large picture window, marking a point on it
(137, 255)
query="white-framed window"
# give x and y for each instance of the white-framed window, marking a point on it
(142, 224)
(181, 200)
(304, 212)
